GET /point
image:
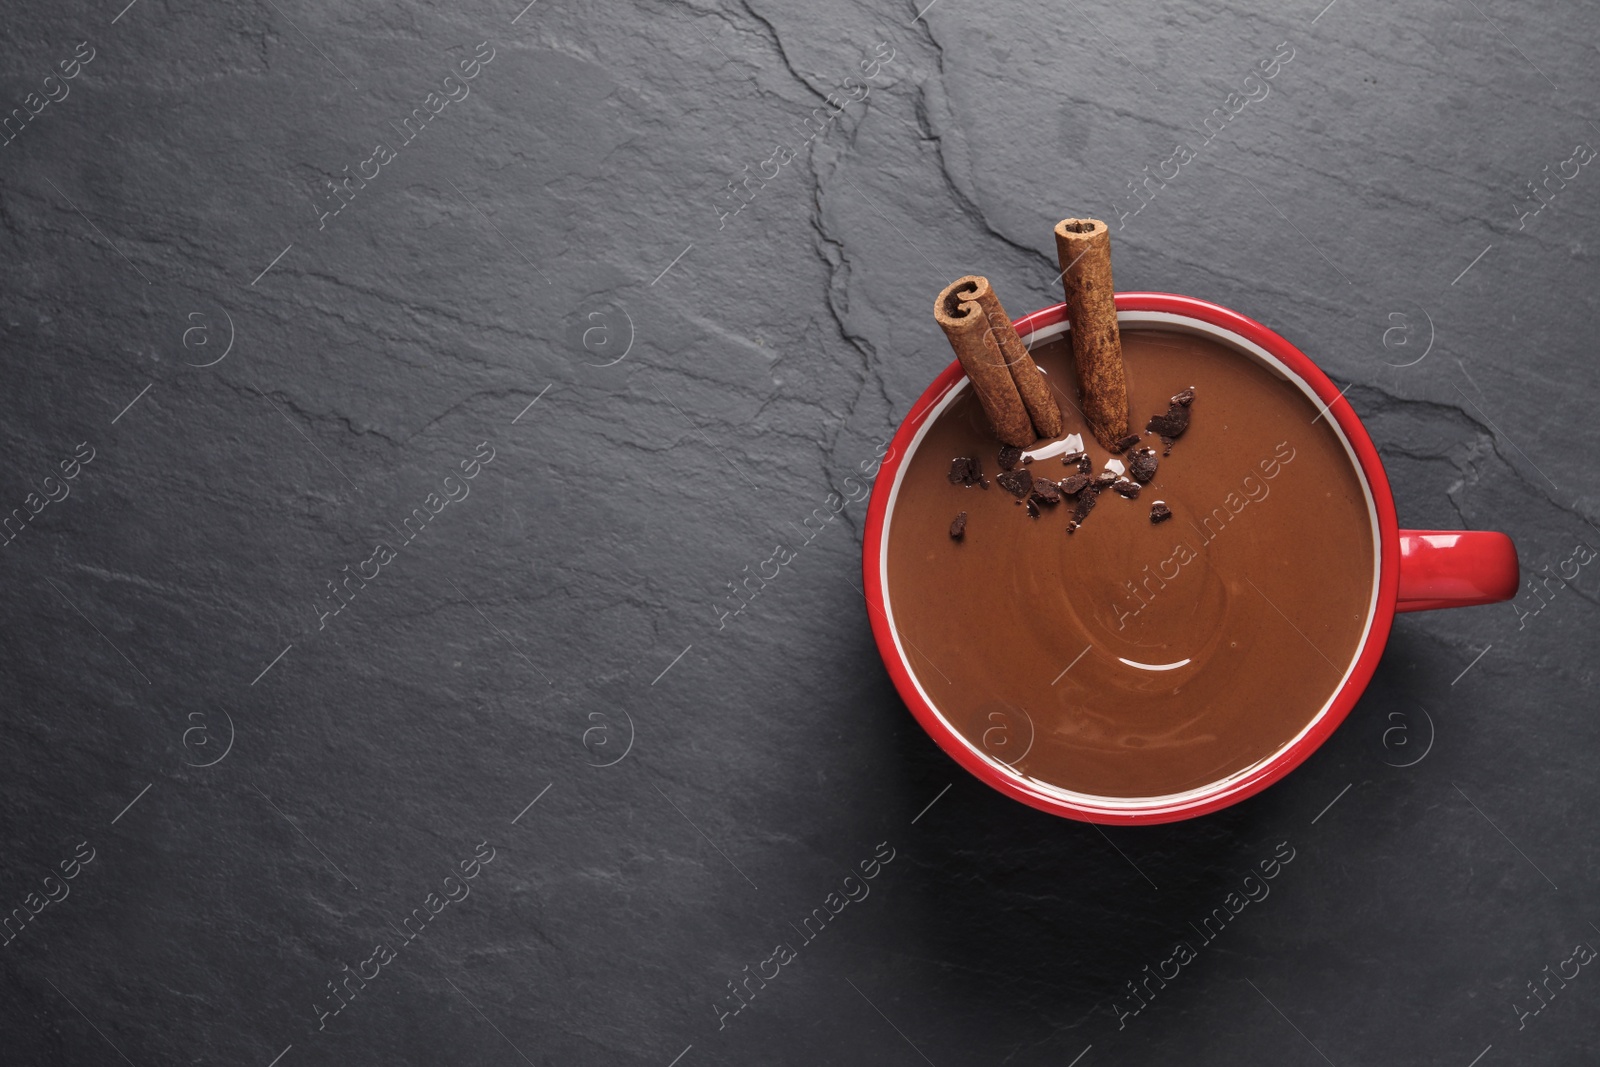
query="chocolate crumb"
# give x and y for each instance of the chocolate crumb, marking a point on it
(1124, 443)
(965, 470)
(1105, 479)
(1017, 483)
(1142, 465)
(1159, 512)
(1084, 505)
(1033, 509)
(1171, 425)
(1070, 458)
(1009, 455)
(958, 527)
(1045, 492)
(1026, 459)
(1071, 486)
(1084, 464)
(1127, 487)
(983, 483)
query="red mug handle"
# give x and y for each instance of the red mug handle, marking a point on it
(1455, 569)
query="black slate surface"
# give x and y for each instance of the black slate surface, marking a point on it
(550, 272)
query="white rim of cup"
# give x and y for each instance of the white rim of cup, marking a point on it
(1170, 802)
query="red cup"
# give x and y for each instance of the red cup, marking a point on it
(1416, 569)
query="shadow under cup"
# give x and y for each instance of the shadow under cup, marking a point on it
(1200, 722)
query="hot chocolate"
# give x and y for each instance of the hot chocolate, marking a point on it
(1188, 628)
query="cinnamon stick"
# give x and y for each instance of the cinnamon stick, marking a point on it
(1083, 248)
(1010, 388)
(1043, 410)
(965, 324)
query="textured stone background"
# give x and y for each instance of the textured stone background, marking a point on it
(554, 237)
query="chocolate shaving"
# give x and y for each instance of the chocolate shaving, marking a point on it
(1071, 458)
(965, 470)
(1009, 456)
(1122, 444)
(1026, 459)
(958, 527)
(1171, 425)
(1105, 480)
(1142, 465)
(1018, 482)
(1033, 509)
(1084, 505)
(1084, 464)
(1159, 512)
(1071, 486)
(1045, 492)
(1127, 487)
